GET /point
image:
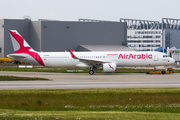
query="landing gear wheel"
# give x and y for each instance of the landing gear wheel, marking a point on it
(163, 72)
(91, 72)
(147, 72)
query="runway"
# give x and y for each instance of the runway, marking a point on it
(86, 81)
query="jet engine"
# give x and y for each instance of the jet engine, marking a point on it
(108, 67)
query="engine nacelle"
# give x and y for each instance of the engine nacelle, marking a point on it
(109, 67)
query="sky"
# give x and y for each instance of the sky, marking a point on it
(72, 10)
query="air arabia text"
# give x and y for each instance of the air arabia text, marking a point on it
(134, 56)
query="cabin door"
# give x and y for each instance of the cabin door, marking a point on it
(155, 57)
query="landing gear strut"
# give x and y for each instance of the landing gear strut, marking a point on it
(93, 70)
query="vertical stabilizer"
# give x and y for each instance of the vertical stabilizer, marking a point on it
(19, 43)
(21, 46)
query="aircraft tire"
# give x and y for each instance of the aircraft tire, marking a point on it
(91, 72)
(163, 72)
(147, 72)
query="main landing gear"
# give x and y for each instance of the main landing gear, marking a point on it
(93, 70)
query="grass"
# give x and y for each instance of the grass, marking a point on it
(143, 100)
(88, 104)
(97, 104)
(85, 115)
(64, 70)
(15, 78)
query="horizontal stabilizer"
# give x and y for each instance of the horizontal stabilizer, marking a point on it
(16, 56)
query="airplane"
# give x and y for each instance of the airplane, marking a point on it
(107, 61)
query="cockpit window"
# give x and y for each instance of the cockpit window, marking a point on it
(165, 56)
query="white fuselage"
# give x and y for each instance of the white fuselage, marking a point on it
(121, 58)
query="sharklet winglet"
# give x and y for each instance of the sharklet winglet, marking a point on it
(72, 55)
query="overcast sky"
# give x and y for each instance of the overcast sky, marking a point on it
(72, 10)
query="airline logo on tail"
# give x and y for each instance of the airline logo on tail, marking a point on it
(20, 40)
(20, 46)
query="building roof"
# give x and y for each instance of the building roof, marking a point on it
(160, 49)
(103, 48)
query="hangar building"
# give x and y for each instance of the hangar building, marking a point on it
(51, 35)
(146, 35)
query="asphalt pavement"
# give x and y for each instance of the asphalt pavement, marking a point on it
(86, 81)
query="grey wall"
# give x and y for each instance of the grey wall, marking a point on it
(22, 26)
(2, 38)
(60, 36)
(35, 35)
(175, 37)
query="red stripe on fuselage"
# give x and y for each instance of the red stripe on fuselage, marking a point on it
(24, 49)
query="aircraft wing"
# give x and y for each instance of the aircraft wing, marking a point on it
(88, 61)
